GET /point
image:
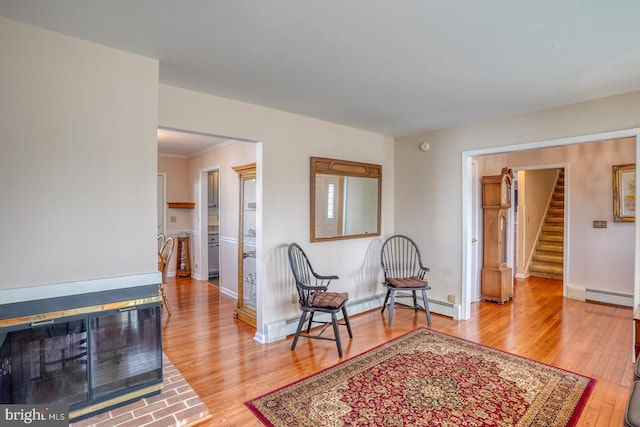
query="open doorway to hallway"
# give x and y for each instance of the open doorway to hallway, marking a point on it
(538, 218)
(198, 169)
(594, 258)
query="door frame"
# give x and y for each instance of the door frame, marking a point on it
(468, 205)
(162, 201)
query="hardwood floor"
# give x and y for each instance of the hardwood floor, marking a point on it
(218, 356)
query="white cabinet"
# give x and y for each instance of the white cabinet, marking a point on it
(212, 189)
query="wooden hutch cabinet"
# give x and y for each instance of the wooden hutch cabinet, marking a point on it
(497, 276)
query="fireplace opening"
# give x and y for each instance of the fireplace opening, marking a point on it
(106, 356)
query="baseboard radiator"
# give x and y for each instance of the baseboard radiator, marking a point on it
(606, 297)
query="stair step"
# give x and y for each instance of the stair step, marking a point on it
(549, 257)
(554, 219)
(554, 276)
(545, 268)
(553, 228)
(552, 238)
(550, 247)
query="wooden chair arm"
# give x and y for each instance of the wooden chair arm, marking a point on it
(313, 288)
(320, 277)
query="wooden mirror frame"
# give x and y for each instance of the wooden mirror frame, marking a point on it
(343, 168)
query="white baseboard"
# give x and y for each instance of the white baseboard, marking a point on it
(576, 293)
(282, 328)
(228, 293)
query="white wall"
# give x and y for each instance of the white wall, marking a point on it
(77, 159)
(431, 183)
(288, 140)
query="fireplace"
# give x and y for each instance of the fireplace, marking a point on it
(90, 351)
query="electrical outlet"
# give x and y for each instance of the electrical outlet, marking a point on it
(451, 298)
(294, 298)
(172, 218)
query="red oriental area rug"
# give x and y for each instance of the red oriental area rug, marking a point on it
(426, 378)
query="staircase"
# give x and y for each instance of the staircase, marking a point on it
(548, 256)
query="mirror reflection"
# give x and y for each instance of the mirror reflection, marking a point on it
(345, 199)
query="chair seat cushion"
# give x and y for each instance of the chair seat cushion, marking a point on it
(330, 299)
(407, 282)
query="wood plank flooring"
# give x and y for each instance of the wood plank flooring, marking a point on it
(220, 359)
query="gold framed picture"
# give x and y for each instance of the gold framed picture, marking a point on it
(624, 193)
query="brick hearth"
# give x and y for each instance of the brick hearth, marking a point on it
(177, 405)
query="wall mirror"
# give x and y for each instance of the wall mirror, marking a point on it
(345, 199)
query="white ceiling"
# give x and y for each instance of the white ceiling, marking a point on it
(180, 143)
(390, 67)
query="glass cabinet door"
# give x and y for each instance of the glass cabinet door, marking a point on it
(247, 277)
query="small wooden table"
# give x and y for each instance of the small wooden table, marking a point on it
(183, 258)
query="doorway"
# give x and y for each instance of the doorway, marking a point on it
(210, 180)
(469, 207)
(539, 216)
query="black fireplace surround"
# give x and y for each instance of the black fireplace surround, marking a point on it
(92, 351)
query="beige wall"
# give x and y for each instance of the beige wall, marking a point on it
(77, 159)
(178, 189)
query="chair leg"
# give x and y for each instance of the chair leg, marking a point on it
(391, 306)
(336, 331)
(346, 320)
(310, 322)
(386, 298)
(426, 307)
(165, 301)
(415, 301)
(303, 317)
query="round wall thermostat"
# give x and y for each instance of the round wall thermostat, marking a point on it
(425, 146)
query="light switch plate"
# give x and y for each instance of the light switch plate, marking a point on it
(599, 224)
